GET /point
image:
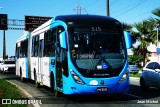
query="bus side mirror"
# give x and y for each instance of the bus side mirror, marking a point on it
(63, 40)
(128, 40)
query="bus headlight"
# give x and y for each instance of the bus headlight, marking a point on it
(124, 77)
(76, 77)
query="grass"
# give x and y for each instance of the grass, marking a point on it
(135, 75)
(9, 91)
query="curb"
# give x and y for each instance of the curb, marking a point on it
(25, 92)
(135, 78)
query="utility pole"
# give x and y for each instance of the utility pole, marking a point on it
(78, 9)
(107, 7)
(4, 45)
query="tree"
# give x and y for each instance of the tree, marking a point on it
(156, 12)
(146, 36)
(136, 59)
(128, 28)
(156, 21)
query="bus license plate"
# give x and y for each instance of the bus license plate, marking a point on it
(102, 89)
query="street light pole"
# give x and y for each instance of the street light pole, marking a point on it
(4, 42)
(107, 5)
(157, 41)
(4, 45)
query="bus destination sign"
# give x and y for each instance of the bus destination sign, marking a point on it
(32, 22)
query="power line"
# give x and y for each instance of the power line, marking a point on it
(92, 4)
(132, 7)
(126, 7)
(115, 2)
(138, 15)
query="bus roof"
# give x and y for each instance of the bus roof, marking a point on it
(78, 20)
(87, 20)
(25, 36)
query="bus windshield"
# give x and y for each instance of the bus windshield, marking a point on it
(97, 51)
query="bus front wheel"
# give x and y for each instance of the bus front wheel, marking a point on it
(53, 88)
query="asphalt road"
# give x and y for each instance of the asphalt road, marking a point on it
(134, 98)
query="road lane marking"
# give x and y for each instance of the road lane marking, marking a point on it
(133, 95)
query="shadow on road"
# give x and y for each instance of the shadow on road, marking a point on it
(135, 93)
(145, 94)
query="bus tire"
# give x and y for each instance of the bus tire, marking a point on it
(35, 79)
(3, 72)
(143, 84)
(52, 81)
(21, 77)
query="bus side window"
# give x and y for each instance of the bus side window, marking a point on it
(35, 45)
(24, 48)
(53, 39)
(17, 51)
(47, 43)
(32, 46)
(20, 51)
(40, 48)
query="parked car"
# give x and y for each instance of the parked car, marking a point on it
(133, 68)
(1, 62)
(8, 66)
(150, 75)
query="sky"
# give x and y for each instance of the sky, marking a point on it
(128, 11)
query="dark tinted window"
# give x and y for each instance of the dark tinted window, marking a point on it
(49, 42)
(35, 45)
(24, 49)
(9, 62)
(150, 65)
(156, 65)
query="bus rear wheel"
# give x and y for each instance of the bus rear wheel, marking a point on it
(36, 82)
(52, 82)
(21, 77)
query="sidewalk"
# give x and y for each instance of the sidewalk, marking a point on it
(135, 78)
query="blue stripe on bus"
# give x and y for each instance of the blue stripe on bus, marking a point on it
(27, 66)
(57, 23)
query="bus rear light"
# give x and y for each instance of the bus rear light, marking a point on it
(76, 78)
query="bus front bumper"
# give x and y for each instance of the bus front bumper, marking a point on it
(104, 89)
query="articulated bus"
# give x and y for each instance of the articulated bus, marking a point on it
(76, 54)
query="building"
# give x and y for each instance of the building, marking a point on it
(153, 56)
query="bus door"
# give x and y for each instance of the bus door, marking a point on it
(59, 69)
(40, 61)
